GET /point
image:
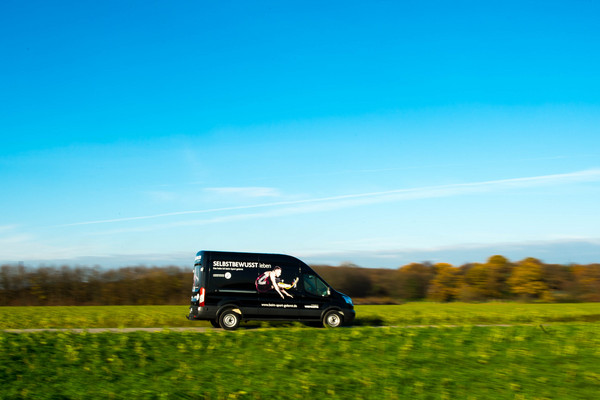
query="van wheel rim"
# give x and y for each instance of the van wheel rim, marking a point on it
(333, 320)
(230, 320)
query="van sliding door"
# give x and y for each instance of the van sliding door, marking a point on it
(278, 289)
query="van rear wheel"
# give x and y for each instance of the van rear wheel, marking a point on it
(215, 323)
(230, 319)
(332, 319)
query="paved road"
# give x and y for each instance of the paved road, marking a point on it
(120, 330)
(204, 328)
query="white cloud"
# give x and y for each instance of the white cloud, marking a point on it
(244, 192)
(163, 196)
(19, 246)
(291, 207)
(584, 251)
(7, 228)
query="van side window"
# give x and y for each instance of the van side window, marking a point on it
(314, 285)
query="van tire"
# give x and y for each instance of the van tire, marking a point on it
(215, 323)
(230, 319)
(332, 319)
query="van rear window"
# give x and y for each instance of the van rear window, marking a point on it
(198, 281)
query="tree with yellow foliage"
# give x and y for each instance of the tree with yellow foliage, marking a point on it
(446, 284)
(527, 280)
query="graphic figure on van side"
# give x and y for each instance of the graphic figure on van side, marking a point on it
(271, 280)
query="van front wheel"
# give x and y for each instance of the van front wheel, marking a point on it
(229, 320)
(332, 319)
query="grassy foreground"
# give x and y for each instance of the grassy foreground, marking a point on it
(524, 362)
(397, 315)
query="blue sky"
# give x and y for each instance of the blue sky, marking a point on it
(379, 133)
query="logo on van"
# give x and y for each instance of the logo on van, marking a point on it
(228, 275)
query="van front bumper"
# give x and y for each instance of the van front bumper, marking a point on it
(349, 316)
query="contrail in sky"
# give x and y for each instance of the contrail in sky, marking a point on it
(390, 195)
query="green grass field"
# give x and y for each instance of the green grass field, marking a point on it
(551, 352)
(524, 362)
(396, 315)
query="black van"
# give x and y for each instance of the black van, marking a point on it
(231, 287)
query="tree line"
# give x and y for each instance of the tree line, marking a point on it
(70, 286)
(496, 279)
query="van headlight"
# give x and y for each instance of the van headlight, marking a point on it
(347, 299)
